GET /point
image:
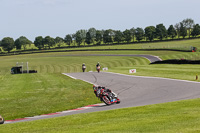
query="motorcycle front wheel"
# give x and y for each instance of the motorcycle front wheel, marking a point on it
(106, 100)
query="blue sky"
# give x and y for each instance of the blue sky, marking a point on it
(32, 18)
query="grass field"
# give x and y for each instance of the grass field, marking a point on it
(48, 90)
(32, 94)
(24, 92)
(178, 117)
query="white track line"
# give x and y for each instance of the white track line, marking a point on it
(69, 76)
(76, 78)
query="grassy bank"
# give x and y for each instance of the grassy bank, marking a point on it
(26, 95)
(184, 72)
(182, 116)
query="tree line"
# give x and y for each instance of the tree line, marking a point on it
(187, 27)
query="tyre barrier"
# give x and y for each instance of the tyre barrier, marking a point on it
(1, 120)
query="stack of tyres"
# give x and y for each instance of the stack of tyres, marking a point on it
(1, 120)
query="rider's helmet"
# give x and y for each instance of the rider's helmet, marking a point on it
(99, 87)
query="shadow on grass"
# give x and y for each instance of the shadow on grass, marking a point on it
(176, 61)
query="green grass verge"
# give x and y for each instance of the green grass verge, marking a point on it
(26, 95)
(181, 116)
(184, 72)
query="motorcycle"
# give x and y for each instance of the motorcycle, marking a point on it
(1, 120)
(98, 69)
(83, 68)
(106, 95)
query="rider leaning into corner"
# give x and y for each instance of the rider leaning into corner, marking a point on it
(106, 90)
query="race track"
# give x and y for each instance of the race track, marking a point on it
(139, 91)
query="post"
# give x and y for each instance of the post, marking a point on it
(22, 67)
(196, 77)
(27, 67)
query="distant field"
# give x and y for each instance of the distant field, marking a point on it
(173, 45)
(56, 63)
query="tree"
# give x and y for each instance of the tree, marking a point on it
(99, 37)
(127, 35)
(7, 44)
(78, 38)
(49, 41)
(18, 44)
(39, 42)
(107, 38)
(161, 31)
(22, 42)
(118, 36)
(92, 34)
(88, 39)
(196, 30)
(188, 23)
(177, 27)
(183, 30)
(58, 40)
(150, 32)
(132, 30)
(68, 39)
(139, 34)
(171, 31)
(83, 35)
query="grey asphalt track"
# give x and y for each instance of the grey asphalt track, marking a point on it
(138, 91)
(151, 58)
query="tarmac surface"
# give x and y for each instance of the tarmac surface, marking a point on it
(138, 90)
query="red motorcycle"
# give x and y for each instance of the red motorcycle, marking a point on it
(98, 69)
(106, 95)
